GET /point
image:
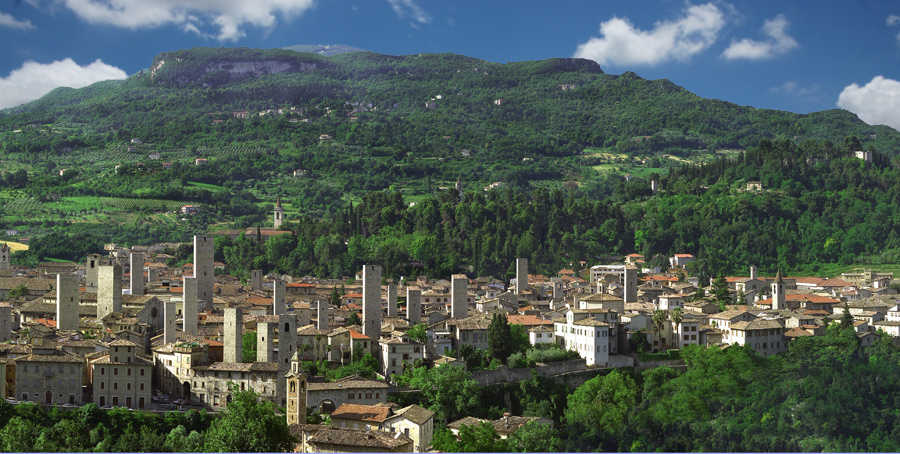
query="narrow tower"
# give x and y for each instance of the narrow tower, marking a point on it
(136, 270)
(234, 331)
(778, 296)
(204, 268)
(371, 318)
(67, 302)
(521, 275)
(413, 306)
(5, 252)
(109, 290)
(189, 305)
(278, 215)
(459, 289)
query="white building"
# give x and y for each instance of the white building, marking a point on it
(588, 335)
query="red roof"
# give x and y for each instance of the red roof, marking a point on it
(527, 320)
(352, 295)
(300, 285)
(45, 322)
(354, 334)
(683, 255)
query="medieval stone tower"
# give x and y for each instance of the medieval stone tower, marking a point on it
(189, 305)
(5, 253)
(321, 314)
(109, 290)
(67, 301)
(778, 296)
(521, 275)
(278, 218)
(279, 288)
(459, 290)
(204, 268)
(256, 279)
(136, 278)
(630, 284)
(296, 392)
(371, 318)
(168, 322)
(92, 266)
(391, 300)
(233, 333)
(5, 322)
(413, 306)
(265, 334)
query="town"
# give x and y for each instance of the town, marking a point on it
(126, 330)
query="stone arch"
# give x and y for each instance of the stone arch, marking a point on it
(326, 406)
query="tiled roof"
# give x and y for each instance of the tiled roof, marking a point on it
(356, 412)
(414, 413)
(358, 438)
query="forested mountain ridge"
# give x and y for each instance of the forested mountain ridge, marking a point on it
(430, 103)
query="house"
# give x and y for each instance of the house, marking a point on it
(167, 165)
(591, 333)
(356, 416)
(680, 260)
(754, 186)
(399, 352)
(324, 137)
(358, 440)
(200, 161)
(505, 425)
(326, 397)
(864, 155)
(415, 422)
(763, 336)
(122, 378)
(49, 376)
(500, 102)
(190, 209)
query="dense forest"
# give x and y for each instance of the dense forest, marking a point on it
(820, 205)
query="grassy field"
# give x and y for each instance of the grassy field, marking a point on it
(15, 246)
(833, 270)
(211, 187)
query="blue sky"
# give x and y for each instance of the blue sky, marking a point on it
(801, 56)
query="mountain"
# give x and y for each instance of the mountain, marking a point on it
(459, 116)
(324, 49)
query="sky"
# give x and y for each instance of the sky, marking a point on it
(801, 56)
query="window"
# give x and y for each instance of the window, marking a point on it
(129, 371)
(368, 395)
(142, 386)
(102, 385)
(351, 396)
(128, 386)
(115, 385)
(115, 371)
(377, 394)
(142, 372)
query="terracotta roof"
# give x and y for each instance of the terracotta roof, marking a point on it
(356, 412)
(414, 413)
(756, 324)
(358, 438)
(527, 320)
(351, 382)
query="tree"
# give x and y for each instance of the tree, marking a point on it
(847, 318)
(659, 322)
(21, 290)
(248, 347)
(499, 338)
(447, 390)
(518, 338)
(353, 319)
(721, 292)
(677, 315)
(249, 425)
(335, 297)
(535, 436)
(599, 408)
(638, 342)
(418, 333)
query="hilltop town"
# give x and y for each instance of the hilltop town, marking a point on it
(126, 330)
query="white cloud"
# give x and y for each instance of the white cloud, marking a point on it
(227, 17)
(6, 20)
(405, 8)
(34, 80)
(793, 88)
(623, 44)
(779, 42)
(876, 103)
(894, 20)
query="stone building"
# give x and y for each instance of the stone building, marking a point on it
(122, 377)
(49, 376)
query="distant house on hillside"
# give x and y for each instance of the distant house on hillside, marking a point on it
(864, 155)
(754, 186)
(200, 161)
